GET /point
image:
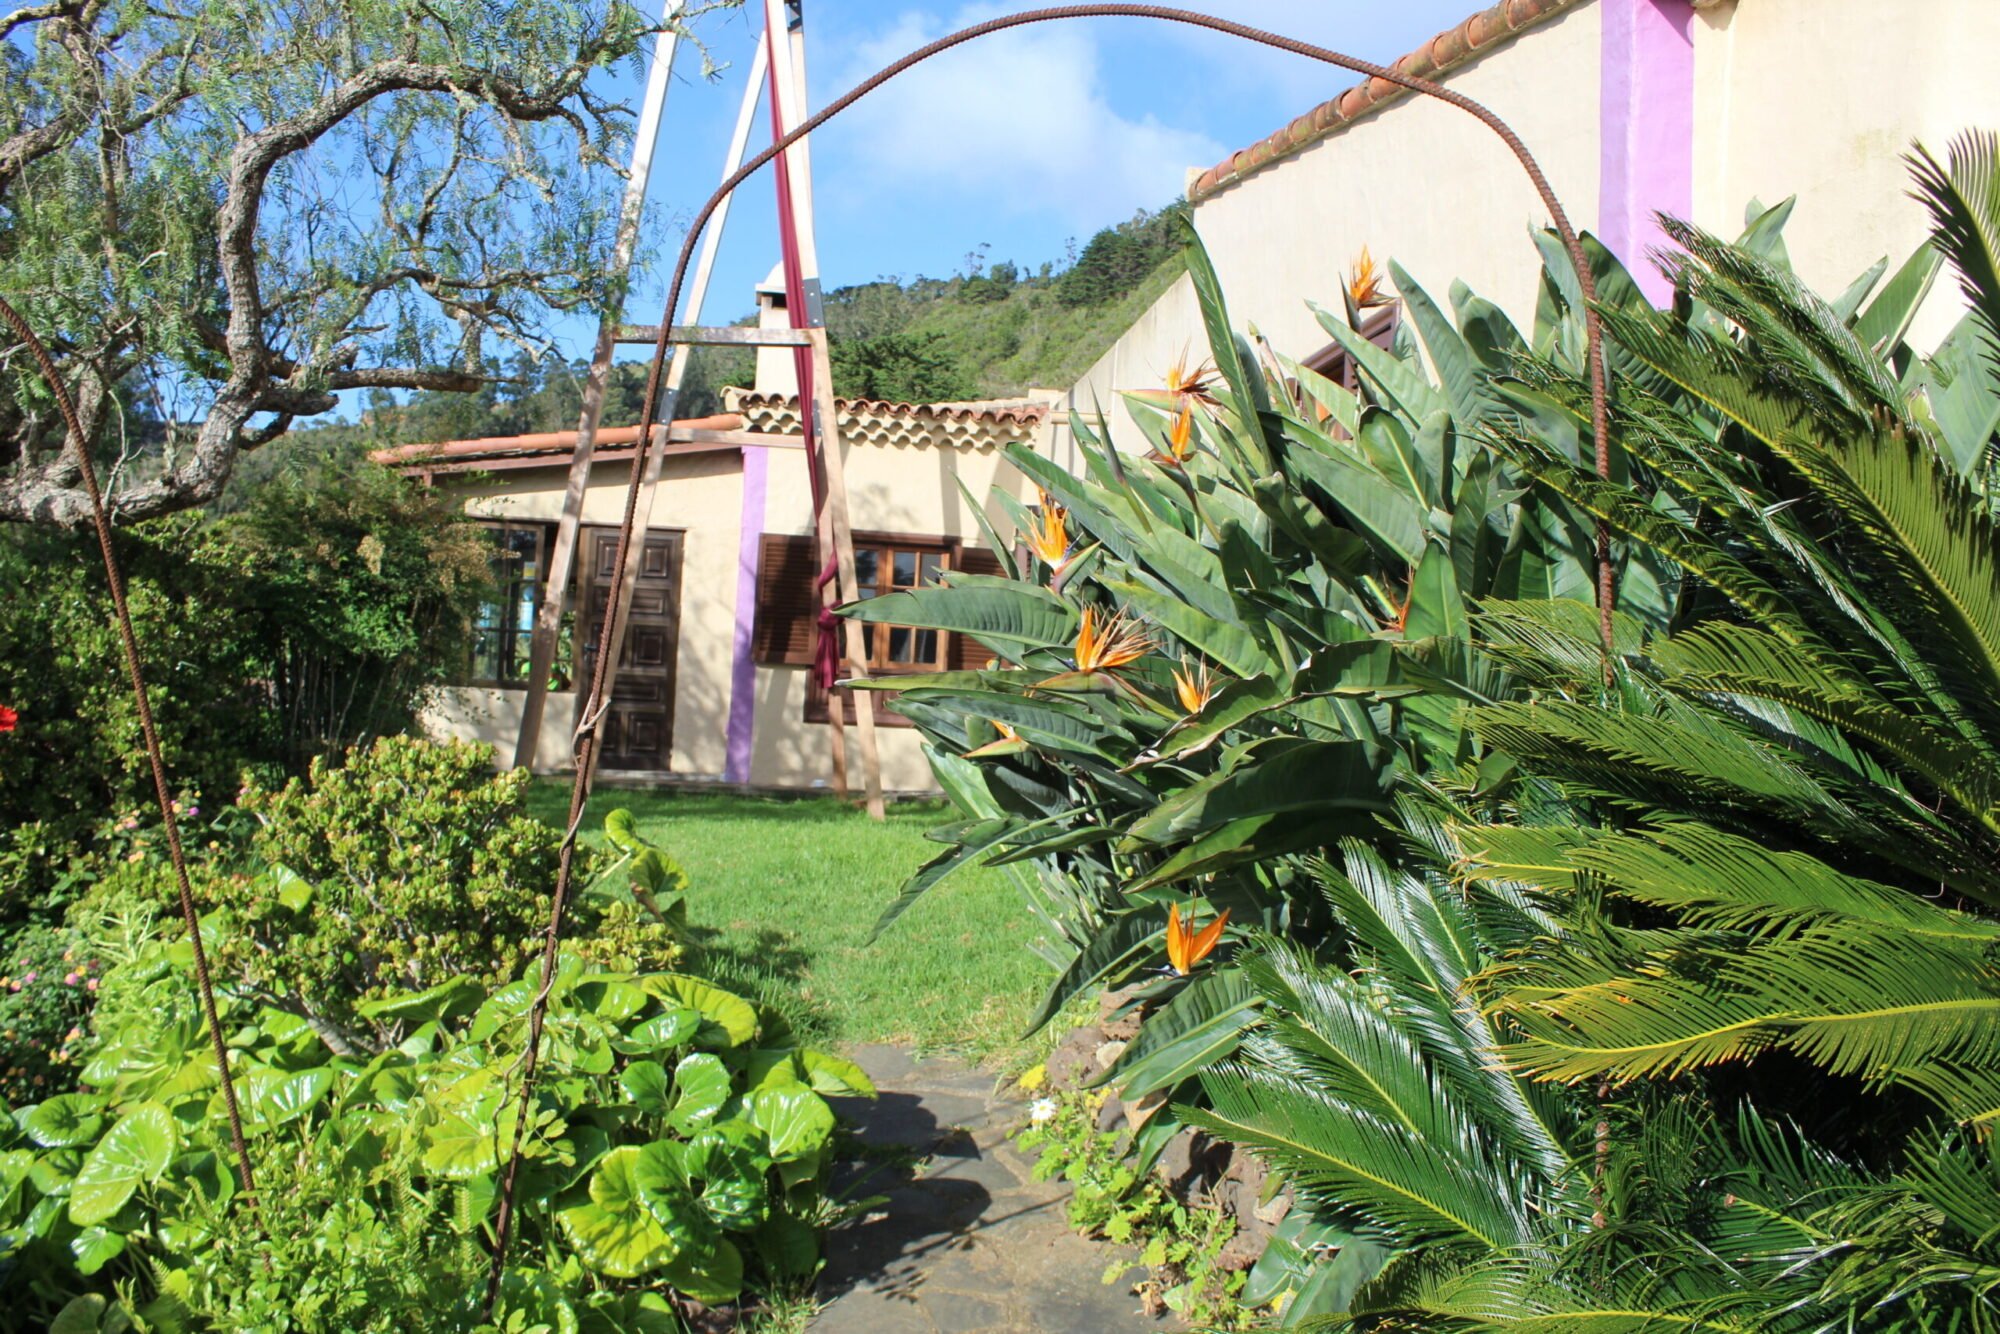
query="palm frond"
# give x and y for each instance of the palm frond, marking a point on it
(1963, 197)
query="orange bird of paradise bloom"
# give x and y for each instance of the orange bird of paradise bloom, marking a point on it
(1048, 533)
(1191, 387)
(1108, 645)
(1195, 687)
(1180, 437)
(1364, 285)
(1186, 946)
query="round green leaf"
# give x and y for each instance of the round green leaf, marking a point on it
(798, 1121)
(65, 1121)
(701, 1087)
(94, 1248)
(711, 1274)
(616, 1234)
(732, 1016)
(645, 1083)
(272, 1098)
(133, 1152)
(835, 1074)
(728, 1180)
(663, 1032)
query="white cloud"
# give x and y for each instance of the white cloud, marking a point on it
(1020, 120)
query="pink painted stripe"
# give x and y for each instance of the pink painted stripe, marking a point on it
(1647, 111)
(742, 669)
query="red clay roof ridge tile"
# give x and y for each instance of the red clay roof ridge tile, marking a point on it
(1450, 49)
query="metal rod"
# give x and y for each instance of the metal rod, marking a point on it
(562, 557)
(587, 737)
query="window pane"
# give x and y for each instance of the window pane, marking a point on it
(899, 643)
(930, 565)
(866, 566)
(906, 569)
(927, 647)
(524, 607)
(485, 657)
(523, 549)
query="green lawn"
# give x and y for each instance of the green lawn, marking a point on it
(785, 891)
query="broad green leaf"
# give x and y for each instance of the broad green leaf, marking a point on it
(662, 1032)
(730, 1014)
(94, 1248)
(1020, 615)
(645, 1083)
(701, 1087)
(1116, 941)
(291, 889)
(729, 1180)
(616, 1234)
(273, 1098)
(835, 1074)
(133, 1153)
(798, 1121)
(711, 1274)
(1272, 777)
(68, 1120)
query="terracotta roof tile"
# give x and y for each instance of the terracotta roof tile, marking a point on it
(1447, 51)
(978, 425)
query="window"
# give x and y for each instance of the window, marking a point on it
(503, 628)
(1378, 326)
(788, 609)
(888, 567)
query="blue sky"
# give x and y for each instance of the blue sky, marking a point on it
(1022, 141)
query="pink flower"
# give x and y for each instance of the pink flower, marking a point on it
(70, 980)
(90, 985)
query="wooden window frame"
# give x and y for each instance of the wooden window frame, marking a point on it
(512, 674)
(1379, 326)
(948, 553)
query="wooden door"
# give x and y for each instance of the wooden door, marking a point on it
(639, 725)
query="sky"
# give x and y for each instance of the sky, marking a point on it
(1023, 143)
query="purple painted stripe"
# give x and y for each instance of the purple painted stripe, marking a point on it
(1647, 115)
(742, 670)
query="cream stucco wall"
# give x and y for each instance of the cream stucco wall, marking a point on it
(890, 489)
(1821, 99)
(1818, 98)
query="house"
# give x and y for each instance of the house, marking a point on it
(716, 683)
(1691, 107)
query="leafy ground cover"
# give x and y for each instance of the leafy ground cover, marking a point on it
(782, 896)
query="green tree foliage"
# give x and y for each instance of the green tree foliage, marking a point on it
(1117, 259)
(902, 368)
(318, 616)
(343, 195)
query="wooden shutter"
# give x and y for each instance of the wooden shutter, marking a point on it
(964, 653)
(787, 604)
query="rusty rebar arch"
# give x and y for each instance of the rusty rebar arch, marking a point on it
(587, 734)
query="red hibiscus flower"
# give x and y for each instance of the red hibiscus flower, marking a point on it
(8, 718)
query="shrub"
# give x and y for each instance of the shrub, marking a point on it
(48, 981)
(409, 865)
(680, 1139)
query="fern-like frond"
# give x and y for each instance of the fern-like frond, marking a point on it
(1413, 1188)
(1963, 197)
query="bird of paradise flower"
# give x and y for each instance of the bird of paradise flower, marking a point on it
(1186, 946)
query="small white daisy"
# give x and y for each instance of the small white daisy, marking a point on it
(1042, 1110)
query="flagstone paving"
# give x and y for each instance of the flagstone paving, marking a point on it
(967, 1239)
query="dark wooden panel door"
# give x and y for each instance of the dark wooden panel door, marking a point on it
(639, 726)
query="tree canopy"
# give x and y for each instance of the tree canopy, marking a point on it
(222, 214)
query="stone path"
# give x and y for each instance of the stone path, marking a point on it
(968, 1240)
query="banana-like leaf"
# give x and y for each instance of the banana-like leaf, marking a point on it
(1029, 617)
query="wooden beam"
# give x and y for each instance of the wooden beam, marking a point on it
(710, 335)
(548, 616)
(704, 269)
